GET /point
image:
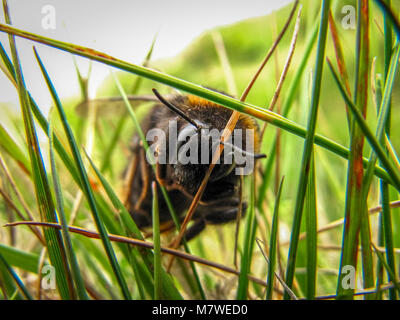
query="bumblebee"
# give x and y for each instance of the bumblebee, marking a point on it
(191, 115)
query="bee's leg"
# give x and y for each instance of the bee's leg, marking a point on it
(222, 214)
(194, 230)
(128, 181)
(141, 218)
(160, 174)
(145, 178)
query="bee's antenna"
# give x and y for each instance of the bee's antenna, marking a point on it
(254, 155)
(175, 109)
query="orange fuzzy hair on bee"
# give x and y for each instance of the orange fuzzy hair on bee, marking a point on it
(245, 121)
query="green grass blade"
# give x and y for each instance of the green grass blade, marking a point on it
(17, 280)
(86, 185)
(386, 218)
(13, 150)
(308, 147)
(361, 100)
(54, 243)
(388, 236)
(384, 111)
(73, 262)
(249, 237)
(272, 245)
(311, 229)
(390, 16)
(157, 245)
(21, 259)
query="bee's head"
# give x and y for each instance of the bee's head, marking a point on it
(196, 146)
(197, 141)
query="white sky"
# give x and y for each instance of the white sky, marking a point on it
(121, 28)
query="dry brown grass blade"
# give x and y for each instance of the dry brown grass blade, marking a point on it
(288, 60)
(141, 243)
(285, 68)
(339, 53)
(225, 135)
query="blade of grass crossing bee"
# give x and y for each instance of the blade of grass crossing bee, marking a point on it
(272, 244)
(86, 185)
(308, 146)
(55, 246)
(73, 262)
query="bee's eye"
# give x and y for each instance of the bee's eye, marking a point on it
(186, 133)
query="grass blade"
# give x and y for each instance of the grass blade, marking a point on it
(86, 185)
(272, 245)
(386, 218)
(17, 280)
(24, 260)
(157, 244)
(311, 231)
(73, 262)
(390, 16)
(55, 246)
(308, 146)
(14, 151)
(248, 245)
